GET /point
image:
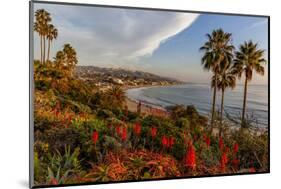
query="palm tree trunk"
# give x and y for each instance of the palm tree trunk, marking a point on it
(49, 44)
(214, 104)
(244, 103)
(221, 116)
(44, 49)
(41, 48)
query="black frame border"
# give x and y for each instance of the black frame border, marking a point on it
(31, 122)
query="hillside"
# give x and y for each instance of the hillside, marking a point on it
(110, 76)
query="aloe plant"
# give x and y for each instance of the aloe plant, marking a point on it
(62, 165)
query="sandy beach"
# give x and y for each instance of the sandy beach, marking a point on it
(145, 109)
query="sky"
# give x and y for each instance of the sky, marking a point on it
(159, 42)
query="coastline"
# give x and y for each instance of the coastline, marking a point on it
(149, 109)
(146, 108)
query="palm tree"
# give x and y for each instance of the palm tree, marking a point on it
(225, 79)
(42, 18)
(116, 95)
(217, 50)
(70, 55)
(52, 34)
(249, 58)
(59, 59)
(37, 28)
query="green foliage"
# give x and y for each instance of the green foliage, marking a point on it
(41, 124)
(101, 175)
(104, 113)
(37, 170)
(111, 144)
(253, 149)
(63, 165)
(186, 117)
(58, 138)
(183, 123)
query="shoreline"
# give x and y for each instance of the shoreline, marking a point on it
(150, 109)
(150, 86)
(146, 108)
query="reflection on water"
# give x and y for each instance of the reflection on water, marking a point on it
(200, 95)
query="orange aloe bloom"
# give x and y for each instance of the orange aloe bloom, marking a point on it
(190, 157)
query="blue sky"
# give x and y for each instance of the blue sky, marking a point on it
(164, 43)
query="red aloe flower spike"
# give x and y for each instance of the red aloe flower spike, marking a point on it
(124, 134)
(226, 149)
(190, 157)
(137, 128)
(118, 131)
(207, 140)
(95, 137)
(153, 132)
(235, 148)
(224, 161)
(164, 141)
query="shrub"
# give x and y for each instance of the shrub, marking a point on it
(58, 138)
(134, 165)
(253, 149)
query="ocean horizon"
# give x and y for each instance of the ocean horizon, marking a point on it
(200, 95)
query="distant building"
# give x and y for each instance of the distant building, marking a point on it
(118, 81)
(154, 83)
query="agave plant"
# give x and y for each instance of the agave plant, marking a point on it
(62, 165)
(99, 173)
(58, 178)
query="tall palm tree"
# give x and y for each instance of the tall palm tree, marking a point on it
(249, 58)
(37, 28)
(52, 34)
(42, 18)
(217, 50)
(226, 79)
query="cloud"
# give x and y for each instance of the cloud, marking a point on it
(258, 24)
(114, 37)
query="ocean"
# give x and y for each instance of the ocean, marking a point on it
(200, 95)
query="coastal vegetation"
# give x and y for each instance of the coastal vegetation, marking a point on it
(83, 133)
